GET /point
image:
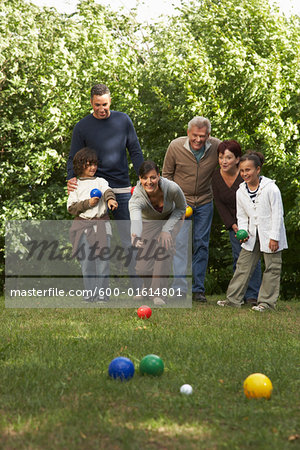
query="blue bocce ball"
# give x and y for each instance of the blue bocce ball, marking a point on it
(96, 193)
(121, 368)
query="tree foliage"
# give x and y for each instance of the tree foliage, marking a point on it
(234, 61)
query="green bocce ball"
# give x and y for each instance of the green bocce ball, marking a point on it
(152, 365)
(241, 235)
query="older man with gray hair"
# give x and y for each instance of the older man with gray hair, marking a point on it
(190, 161)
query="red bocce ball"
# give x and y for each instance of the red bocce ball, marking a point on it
(144, 312)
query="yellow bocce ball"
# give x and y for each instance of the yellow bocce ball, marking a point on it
(258, 385)
(189, 211)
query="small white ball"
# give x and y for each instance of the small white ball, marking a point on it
(186, 389)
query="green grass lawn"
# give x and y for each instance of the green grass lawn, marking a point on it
(56, 393)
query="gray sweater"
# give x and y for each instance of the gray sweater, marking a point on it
(140, 207)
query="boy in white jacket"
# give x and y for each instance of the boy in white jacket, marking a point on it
(260, 213)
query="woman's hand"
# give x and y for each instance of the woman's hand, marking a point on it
(235, 228)
(273, 245)
(136, 241)
(166, 240)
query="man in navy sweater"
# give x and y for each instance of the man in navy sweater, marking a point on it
(109, 133)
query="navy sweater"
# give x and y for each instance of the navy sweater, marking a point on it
(109, 138)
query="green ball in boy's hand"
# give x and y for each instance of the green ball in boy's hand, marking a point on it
(241, 235)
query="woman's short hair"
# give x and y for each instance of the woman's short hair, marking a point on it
(147, 166)
(231, 145)
(82, 158)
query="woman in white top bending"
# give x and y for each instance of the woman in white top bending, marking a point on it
(156, 209)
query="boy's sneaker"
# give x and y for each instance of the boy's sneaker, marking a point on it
(260, 308)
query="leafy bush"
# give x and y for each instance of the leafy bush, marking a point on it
(235, 61)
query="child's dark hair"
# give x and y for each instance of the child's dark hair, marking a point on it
(147, 166)
(257, 157)
(82, 158)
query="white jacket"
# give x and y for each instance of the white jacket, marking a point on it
(264, 217)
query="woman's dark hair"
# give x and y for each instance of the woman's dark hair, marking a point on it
(147, 166)
(257, 157)
(82, 158)
(231, 145)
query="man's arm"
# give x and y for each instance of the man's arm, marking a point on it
(169, 165)
(134, 147)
